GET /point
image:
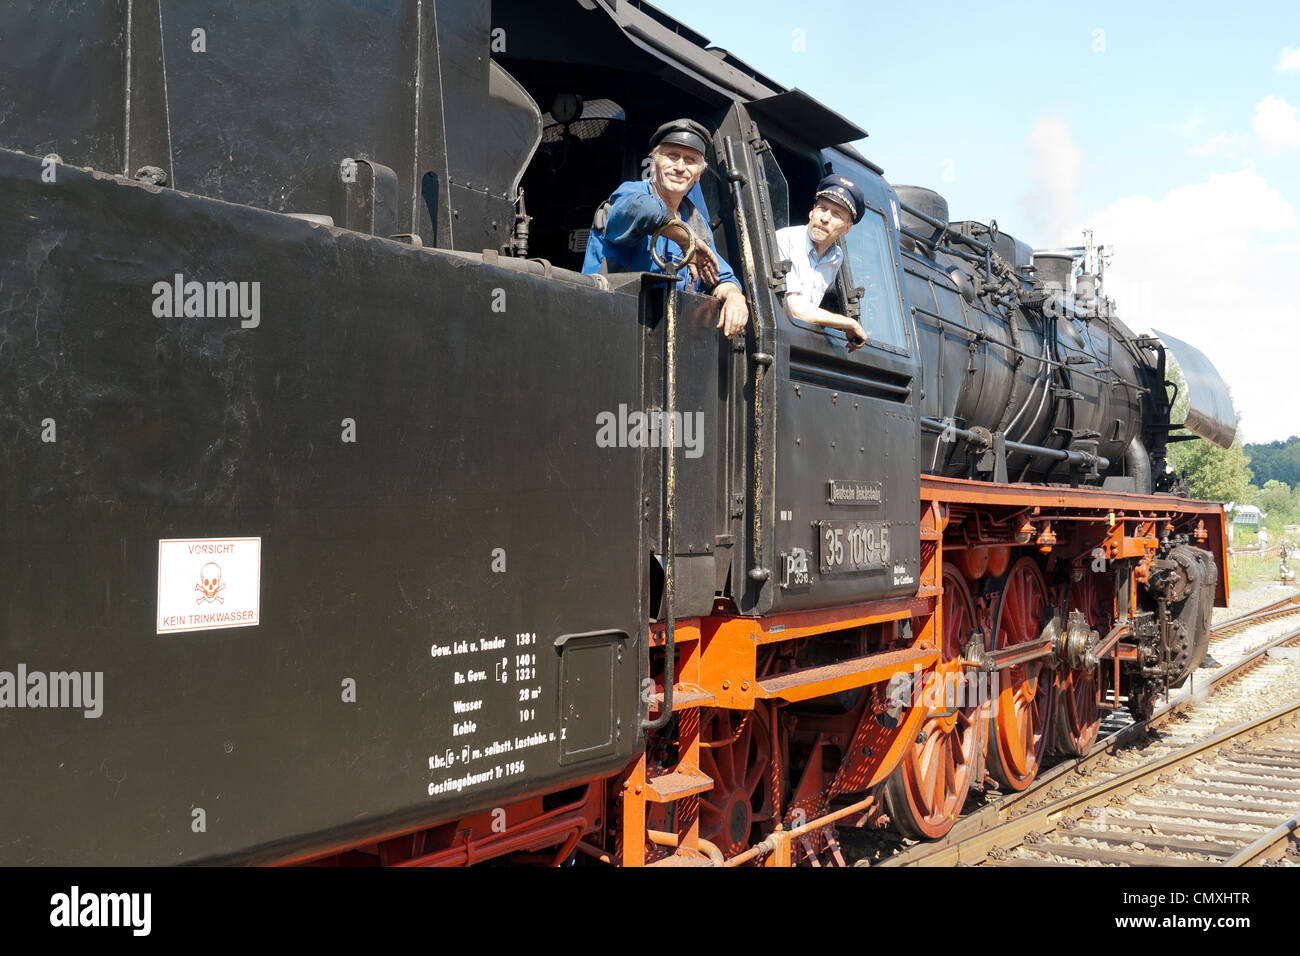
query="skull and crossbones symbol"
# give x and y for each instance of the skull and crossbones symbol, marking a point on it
(210, 586)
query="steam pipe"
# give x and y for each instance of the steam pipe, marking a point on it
(1047, 388)
(1052, 363)
(1138, 464)
(1043, 368)
(1058, 454)
(1014, 328)
(928, 220)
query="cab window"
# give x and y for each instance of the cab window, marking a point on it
(871, 267)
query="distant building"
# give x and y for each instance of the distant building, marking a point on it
(1245, 519)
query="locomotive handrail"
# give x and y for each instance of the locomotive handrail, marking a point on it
(940, 245)
(939, 224)
(670, 494)
(1060, 454)
(757, 573)
(1038, 358)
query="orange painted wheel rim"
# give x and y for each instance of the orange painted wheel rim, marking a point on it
(735, 750)
(1019, 725)
(928, 790)
(1078, 717)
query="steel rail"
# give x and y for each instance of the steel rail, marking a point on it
(1266, 845)
(1287, 605)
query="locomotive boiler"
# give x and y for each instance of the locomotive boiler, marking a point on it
(308, 462)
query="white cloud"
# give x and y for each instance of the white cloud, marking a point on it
(1289, 60)
(1205, 262)
(1276, 124)
(1231, 145)
(1054, 163)
(1190, 125)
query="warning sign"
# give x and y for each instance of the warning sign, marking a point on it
(206, 583)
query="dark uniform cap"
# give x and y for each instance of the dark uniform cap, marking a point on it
(683, 132)
(845, 192)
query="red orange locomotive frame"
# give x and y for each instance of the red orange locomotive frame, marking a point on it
(789, 724)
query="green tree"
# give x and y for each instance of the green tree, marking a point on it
(1212, 473)
(1275, 498)
(1280, 504)
(1276, 460)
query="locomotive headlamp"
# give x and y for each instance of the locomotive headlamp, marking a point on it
(1047, 539)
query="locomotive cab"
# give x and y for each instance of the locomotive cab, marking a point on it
(805, 498)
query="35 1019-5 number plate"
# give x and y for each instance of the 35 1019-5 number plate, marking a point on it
(852, 545)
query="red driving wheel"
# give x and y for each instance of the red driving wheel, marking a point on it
(735, 750)
(928, 789)
(1022, 710)
(1077, 715)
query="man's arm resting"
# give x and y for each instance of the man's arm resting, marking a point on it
(805, 311)
(735, 313)
(633, 216)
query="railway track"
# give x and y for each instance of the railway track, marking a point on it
(1269, 612)
(1230, 800)
(1234, 688)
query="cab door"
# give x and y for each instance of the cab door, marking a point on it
(847, 480)
(854, 416)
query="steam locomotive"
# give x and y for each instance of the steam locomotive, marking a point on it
(319, 547)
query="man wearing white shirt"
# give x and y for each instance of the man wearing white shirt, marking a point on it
(815, 255)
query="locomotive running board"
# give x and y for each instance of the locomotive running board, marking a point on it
(846, 675)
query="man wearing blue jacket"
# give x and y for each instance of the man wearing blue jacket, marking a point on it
(671, 199)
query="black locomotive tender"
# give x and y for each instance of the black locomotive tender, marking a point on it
(470, 528)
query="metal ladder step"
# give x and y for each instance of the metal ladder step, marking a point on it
(686, 695)
(668, 787)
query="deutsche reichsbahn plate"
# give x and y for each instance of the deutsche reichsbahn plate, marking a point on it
(852, 545)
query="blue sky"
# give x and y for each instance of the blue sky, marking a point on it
(1172, 129)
